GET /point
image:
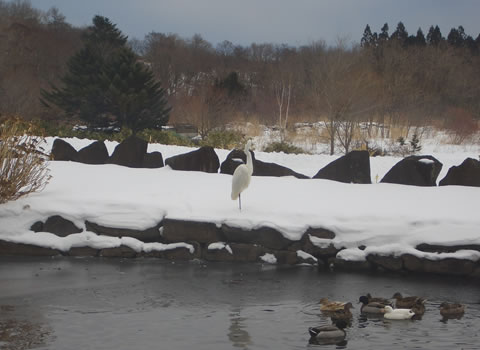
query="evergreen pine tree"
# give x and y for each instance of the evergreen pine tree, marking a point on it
(434, 36)
(134, 97)
(420, 38)
(383, 36)
(415, 144)
(400, 34)
(105, 85)
(457, 37)
(368, 39)
(232, 85)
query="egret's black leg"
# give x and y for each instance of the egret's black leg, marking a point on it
(239, 201)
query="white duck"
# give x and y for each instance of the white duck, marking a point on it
(397, 314)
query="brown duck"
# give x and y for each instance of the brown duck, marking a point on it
(344, 314)
(406, 302)
(380, 300)
(451, 309)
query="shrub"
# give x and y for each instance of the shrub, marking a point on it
(23, 168)
(460, 124)
(226, 139)
(283, 147)
(164, 137)
(415, 144)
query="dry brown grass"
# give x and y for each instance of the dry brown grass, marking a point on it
(23, 168)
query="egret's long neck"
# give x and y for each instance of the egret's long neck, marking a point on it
(249, 159)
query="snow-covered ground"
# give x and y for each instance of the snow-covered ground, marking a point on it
(387, 218)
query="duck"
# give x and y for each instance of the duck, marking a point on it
(397, 314)
(329, 306)
(419, 307)
(343, 314)
(406, 302)
(380, 300)
(335, 331)
(451, 309)
(371, 308)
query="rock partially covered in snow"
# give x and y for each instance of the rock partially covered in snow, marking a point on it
(237, 157)
(130, 152)
(353, 167)
(203, 159)
(94, 153)
(62, 150)
(466, 174)
(415, 170)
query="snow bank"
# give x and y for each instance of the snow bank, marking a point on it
(387, 218)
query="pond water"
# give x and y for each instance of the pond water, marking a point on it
(94, 303)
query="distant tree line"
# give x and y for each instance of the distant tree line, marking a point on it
(384, 79)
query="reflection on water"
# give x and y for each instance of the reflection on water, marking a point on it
(236, 332)
(20, 334)
(151, 304)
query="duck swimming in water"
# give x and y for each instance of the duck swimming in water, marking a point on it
(419, 307)
(406, 302)
(398, 314)
(371, 308)
(451, 309)
(328, 306)
(380, 300)
(344, 314)
(332, 332)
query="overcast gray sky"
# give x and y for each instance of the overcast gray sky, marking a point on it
(294, 22)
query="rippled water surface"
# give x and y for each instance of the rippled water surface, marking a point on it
(151, 304)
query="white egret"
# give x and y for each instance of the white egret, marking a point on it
(242, 175)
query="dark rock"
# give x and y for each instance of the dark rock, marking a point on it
(434, 248)
(466, 174)
(95, 153)
(237, 157)
(176, 253)
(185, 231)
(412, 263)
(265, 236)
(285, 257)
(62, 150)
(56, 225)
(153, 160)
(320, 252)
(233, 160)
(389, 263)
(221, 254)
(415, 170)
(203, 159)
(10, 248)
(37, 227)
(353, 167)
(246, 252)
(83, 251)
(272, 169)
(347, 265)
(447, 266)
(320, 232)
(305, 259)
(130, 152)
(118, 252)
(151, 234)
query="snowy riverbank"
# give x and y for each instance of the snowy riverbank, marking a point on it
(382, 219)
